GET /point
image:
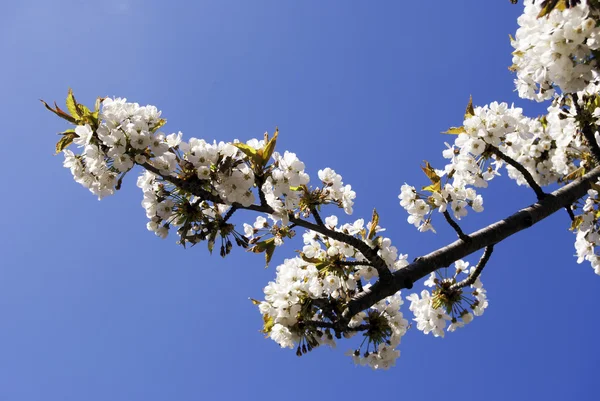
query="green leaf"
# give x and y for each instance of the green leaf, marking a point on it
(374, 223)
(430, 173)
(72, 105)
(576, 223)
(580, 172)
(269, 254)
(309, 260)
(269, 148)
(455, 130)
(549, 5)
(255, 301)
(436, 187)
(267, 246)
(59, 112)
(470, 111)
(159, 125)
(250, 152)
(268, 324)
(65, 141)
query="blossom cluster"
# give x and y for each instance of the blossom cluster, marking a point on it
(588, 231)
(334, 190)
(557, 51)
(445, 303)
(126, 129)
(282, 188)
(308, 287)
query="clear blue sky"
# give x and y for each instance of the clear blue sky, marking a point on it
(93, 307)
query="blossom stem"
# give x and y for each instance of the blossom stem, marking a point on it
(194, 187)
(487, 253)
(317, 216)
(521, 169)
(456, 227)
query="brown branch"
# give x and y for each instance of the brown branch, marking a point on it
(456, 227)
(570, 212)
(317, 216)
(478, 269)
(195, 187)
(490, 235)
(539, 192)
(353, 263)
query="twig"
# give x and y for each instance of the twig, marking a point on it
(519, 167)
(229, 213)
(194, 186)
(478, 269)
(570, 211)
(317, 217)
(353, 263)
(456, 227)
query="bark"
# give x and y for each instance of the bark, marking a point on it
(490, 235)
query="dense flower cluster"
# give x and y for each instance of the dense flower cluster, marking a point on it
(448, 304)
(588, 232)
(125, 131)
(308, 288)
(282, 189)
(555, 51)
(334, 190)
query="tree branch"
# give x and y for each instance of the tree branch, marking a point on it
(194, 186)
(539, 192)
(456, 227)
(490, 235)
(353, 263)
(317, 216)
(478, 269)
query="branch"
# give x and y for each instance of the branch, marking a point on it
(317, 217)
(490, 235)
(456, 227)
(229, 213)
(570, 212)
(329, 325)
(519, 167)
(353, 263)
(194, 187)
(478, 269)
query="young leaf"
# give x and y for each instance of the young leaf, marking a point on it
(250, 152)
(159, 124)
(470, 111)
(65, 141)
(267, 246)
(435, 187)
(549, 5)
(576, 223)
(268, 324)
(269, 148)
(430, 173)
(72, 105)
(59, 112)
(455, 130)
(374, 222)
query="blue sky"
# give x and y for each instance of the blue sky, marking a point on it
(94, 307)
